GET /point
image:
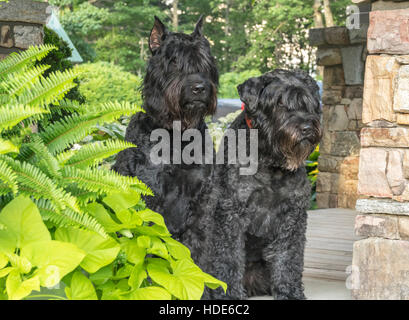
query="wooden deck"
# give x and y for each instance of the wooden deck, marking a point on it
(330, 238)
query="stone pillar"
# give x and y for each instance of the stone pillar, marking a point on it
(21, 25)
(381, 261)
(342, 53)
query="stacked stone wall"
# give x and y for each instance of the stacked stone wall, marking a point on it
(21, 25)
(381, 260)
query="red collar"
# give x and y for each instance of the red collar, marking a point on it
(248, 121)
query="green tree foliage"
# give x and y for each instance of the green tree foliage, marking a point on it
(249, 34)
(230, 80)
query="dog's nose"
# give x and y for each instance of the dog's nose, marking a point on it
(198, 88)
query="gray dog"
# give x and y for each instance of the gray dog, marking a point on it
(259, 230)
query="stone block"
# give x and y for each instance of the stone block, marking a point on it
(329, 163)
(402, 118)
(333, 76)
(26, 36)
(349, 168)
(345, 143)
(336, 35)
(331, 96)
(347, 200)
(386, 206)
(327, 182)
(389, 32)
(385, 137)
(352, 92)
(401, 92)
(380, 75)
(372, 173)
(353, 65)
(389, 5)
(404, 228)
(382, 226)
(338, 119)
(359, 35)
(394, 172)
(316, 37)
(380, 269)
(329, 56)
(405, 164)
(6, 38)
(326, 200)
(355, 109)
(25, 11)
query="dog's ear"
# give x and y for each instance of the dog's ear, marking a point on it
(157, 35)
(249, 91)
(198, 32)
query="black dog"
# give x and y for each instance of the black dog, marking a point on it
(261, 221)
(180, 86)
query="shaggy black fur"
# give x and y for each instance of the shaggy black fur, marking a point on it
(180, 85)
(259, 236)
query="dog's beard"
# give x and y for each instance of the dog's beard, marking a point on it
(189, 113)
(296, 147)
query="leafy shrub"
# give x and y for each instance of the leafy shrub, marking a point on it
(103, 81)
(229, 82)
(67, 219)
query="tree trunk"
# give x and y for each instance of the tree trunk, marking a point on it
(329, 19)
(175, 15)
(227, 29)
(318, 22)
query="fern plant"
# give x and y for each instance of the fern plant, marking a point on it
(66, 219)
(43, 165)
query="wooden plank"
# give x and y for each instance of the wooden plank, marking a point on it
(330, 237)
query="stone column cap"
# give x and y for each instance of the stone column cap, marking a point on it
(385, 206)
(25, 11)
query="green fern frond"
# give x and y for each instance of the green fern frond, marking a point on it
(12, 115)
(8, 177)
(49, 90)
(43, 159)
(113, 110)
(62, 134)
(93, 154)
(67, 217)
(15, 84)
(39, 184)
(4, 191)
(67, 105)
(95, 180)
(63, 157)
(83, 196)
(22, 60)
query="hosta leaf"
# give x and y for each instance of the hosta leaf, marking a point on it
(7, 147)
(185, 282)
(103, 217)
(81, 288)
(99, 251)
(23, 225)
(176, 249)
(54, 259)
(134, 252)
(18, 289)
